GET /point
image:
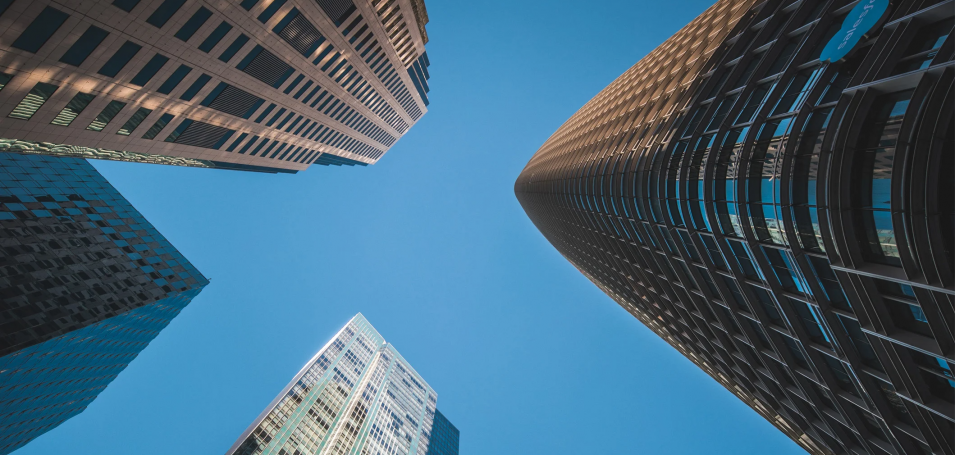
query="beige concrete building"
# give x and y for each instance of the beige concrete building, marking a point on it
(261, 85)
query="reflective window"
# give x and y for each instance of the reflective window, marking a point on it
(164, 12)
(754, 102)
(763, 183)
(192, 25)
(861, 343)
(798, 355)
(106, 115)
(38, 95)
(724, 182)
(134, 121)
(73, 109)
(871, 182)
(84, 46)
(829, 283)
(120, 58)
(769, 305)
(40, 30)
(796, 91)
(149, 70)
(745, 260)
(842, 376)
(805, 172)
(923, 48)
(785, 269)
(812, 322)
(713, 251)
(213, 39)
(937, 374)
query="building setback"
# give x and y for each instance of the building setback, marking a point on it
(257, 85)
(356, 396)
(85, 284)
(785, 222)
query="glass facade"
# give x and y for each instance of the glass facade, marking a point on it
(86, 284)
(445, 437)
(356, 396)
(784, 222)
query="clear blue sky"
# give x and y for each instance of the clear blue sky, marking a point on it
(527, 356)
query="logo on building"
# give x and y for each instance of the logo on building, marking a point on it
(859, 21)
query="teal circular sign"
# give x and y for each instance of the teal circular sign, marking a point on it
(863, 17)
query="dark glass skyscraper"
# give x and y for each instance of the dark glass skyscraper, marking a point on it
(445, 436)
(770, 191)
(85, 284)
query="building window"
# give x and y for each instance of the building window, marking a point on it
(724, 182)
(196, 86)
(149, 70)
(842, 377)
(829, 283)
(134, 121)
(805, 172)
(106, 115)
(125, 5)
(924, 47)
(270, 10)
(745, 260)
(937, 374)
(811, 320)
(871, 182)
(713, 251)
(174, 79)
(73, 109)
(164, 12)
(154, 130)
(861, 343)
(234, 48)
(213, 39)
(785, 270)
(763, 184)
(768, 304)
(84, 46)
(192, 25)
(123, 55)
(31, 103)
(40, 30)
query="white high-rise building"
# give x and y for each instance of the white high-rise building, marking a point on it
(356, 396)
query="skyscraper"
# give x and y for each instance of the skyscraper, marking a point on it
(85, 284)
(445, 436)
(259, 85)
(356, 396)
(769, 191)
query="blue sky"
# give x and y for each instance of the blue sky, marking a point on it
(527, 356)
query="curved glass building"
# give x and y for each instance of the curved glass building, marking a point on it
(770, 190)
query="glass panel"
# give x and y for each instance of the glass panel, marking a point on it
(73, 109)
(784, 268)
(31, 103)
(924, 47)
(811, 320)
(861, 343)
(872, 176)
(829, 283)
(769, 305)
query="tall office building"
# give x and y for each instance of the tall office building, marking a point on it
(356, 396)
(85, 284)
(445, 436)
(258, 85)
(770, 191)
